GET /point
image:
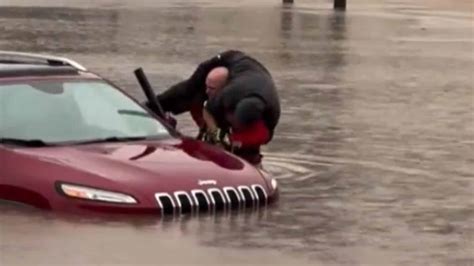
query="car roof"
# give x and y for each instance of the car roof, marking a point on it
(19, 64)
(10, 70)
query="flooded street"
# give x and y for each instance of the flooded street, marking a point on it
(374, 152)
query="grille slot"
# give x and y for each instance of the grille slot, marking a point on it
(232, 197)
(201, 199)
(166, 203)
(185, 202)
(217, 198)
(247, 195)
(260, 193)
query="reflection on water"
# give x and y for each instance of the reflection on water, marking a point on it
(373, 153)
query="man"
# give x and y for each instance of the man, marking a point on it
(230, 93)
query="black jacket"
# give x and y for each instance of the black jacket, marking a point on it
(250, 92)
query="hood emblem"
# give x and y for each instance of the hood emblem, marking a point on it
(208, 182)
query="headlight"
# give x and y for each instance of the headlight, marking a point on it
(274, 184)
(80, 192)
(269, 179)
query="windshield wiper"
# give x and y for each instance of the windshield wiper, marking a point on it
(25, 142)
(134, 113)
(116, 139)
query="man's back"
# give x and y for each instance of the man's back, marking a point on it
(248, 79)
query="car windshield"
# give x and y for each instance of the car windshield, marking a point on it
(72, 111)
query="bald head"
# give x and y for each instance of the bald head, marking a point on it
(216, 80)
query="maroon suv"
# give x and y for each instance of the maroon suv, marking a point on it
(72, 141)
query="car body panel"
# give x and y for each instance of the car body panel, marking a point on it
(140, 169)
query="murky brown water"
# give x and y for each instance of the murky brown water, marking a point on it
(374, 152)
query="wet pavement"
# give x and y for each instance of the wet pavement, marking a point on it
(374, 152)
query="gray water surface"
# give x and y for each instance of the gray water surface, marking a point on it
(374, 152)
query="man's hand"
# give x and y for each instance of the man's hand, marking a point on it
(218, 138)
(211, 124)
(214, 135)
(211, 133)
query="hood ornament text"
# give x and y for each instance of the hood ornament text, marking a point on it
(208, 182)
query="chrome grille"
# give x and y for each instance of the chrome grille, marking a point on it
(233, 197)
(166, 203)
(260, 193)
(217, 199)
(201, 200)
(212, 199)
(247, 196)
(185, 203)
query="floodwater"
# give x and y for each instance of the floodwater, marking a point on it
(374, 152)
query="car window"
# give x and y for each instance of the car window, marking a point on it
(72, 111)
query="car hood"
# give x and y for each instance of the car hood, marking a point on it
(167, 164)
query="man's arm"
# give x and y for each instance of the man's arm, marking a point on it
(180, 97)
(190, 94)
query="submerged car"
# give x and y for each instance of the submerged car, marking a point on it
(70, 140)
